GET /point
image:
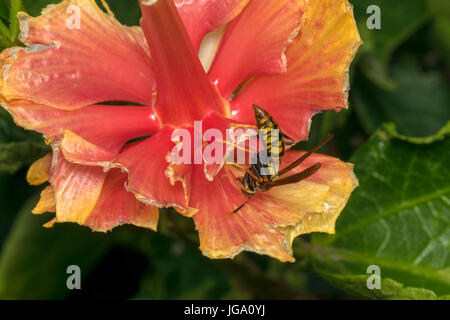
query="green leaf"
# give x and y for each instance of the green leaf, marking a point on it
(441, 27)
(18, 147)
(198, 278)
(356, 284)
(34, 260)
(13, 190)
(16, 6)
(127, 12)
(34, 7)
(419, 106)
(398, 219)
(399, 20)
(439, 7)
(9, 24)
(16, 155)
(9, 132)
(4, 10)
(441, 134)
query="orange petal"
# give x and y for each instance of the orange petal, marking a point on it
(268, 223)
(201, 17)
(224, 235)
(66, 65)
(50, 224)
(77, 150)
(46, 202)
(77, 189)
(317, 75)
(108, 127)
(116, 207)
(90, 197)
(146, 164)
(255, 42)
(335, 176)
(185, 93)
(39, 171)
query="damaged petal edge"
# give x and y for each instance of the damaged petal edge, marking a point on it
(148, 2)
(355, 48)
(245, 247)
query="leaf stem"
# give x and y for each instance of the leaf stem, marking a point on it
(4, 31)
(16, 6)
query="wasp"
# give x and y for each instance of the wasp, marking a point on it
(261, 176)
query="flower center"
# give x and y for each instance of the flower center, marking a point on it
(184, 92)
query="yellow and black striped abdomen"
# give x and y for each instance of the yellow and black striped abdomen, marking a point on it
(267, 163)
(274, 140)
(269, 132)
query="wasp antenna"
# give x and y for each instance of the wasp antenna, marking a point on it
(287, 137)
(295, 177)
(306, 155)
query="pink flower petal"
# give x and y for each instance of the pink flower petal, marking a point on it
(185, 93)
(116, 207)
(103, 205)
(317, 75)
(201, 17)
(255, 42)
(106, 127)
(146, 165)
(268, 223)
(67, 66)
(77, 189)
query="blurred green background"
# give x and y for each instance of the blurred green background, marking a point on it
(398, 219)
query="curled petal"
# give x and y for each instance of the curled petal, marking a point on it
(39, 171)
(317, 74)
(335, 176)
(107, 127)
(247, 51)
(116, 207)
(224, 235)
(77, 189)
(201, 17)
(146, 165)
(269, 221)
(69, 63)
(46, 202)
(77, 150)
(88, 196)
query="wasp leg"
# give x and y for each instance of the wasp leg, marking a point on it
(237, 166)
(238, 208)
(254, 176)
(286, 137)
(295, 177)
(245, 181)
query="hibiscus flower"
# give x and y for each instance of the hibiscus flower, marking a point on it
(196, 60)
